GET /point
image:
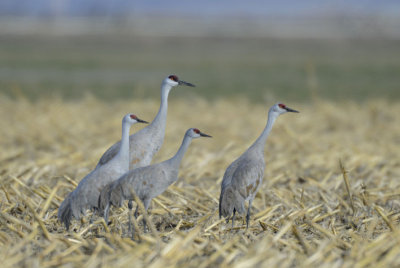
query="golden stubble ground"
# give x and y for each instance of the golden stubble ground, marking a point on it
(302, 216)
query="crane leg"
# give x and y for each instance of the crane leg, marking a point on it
(146, 206)
(130, 229)
(144, 226)
(106, 210)
(91, 220)
(136, 211)
(233, 217)
(248, 215)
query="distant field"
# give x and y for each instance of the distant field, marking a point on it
(115, 66)
(303, 215)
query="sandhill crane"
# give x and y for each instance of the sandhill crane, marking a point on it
(86, 194)
(144, 144)
(147, 182)
(243, 177)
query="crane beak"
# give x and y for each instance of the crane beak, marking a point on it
(141, 121)
(291, 110)
(204, 135)
(184, 83)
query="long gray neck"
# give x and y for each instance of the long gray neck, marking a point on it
(123, 153)
(161, 117)
(175, 161)
(260, 142)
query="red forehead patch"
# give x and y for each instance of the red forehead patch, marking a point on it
(196, 130)
(281, 105)
(173, 78)
(133, 116)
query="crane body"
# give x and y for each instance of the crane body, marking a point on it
(146, 182)
(86, 194)
(244, 176)
(144, 144)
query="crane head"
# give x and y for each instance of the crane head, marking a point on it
(196, 133)
(173, 81)
(281, 108)
(133, 119)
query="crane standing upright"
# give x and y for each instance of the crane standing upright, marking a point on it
(147, 182)
(144, 144)
(86, 194)
(244, 176)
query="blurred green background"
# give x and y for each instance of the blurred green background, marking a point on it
(232, 56)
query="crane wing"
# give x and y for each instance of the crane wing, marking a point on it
(109, 154)
(248, 176)
(227, 179)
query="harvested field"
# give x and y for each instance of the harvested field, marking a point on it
(307, 213)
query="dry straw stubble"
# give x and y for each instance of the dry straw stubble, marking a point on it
(303, 214)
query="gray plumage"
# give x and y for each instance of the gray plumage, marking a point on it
(243, 176)
(86, 194)
(145, 143)
(147, 182)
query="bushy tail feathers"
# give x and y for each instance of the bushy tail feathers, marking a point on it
(226, 203)
(117, 195)
(72, 206)
(104, 198)
(65, 212)
(230, 200)
(223, 203)
(220, 204)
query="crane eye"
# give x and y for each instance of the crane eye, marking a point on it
(196, 130)
(133, 116)
(173, 78)
(281, 105)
